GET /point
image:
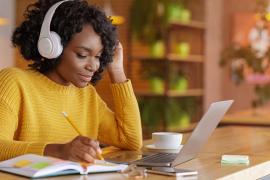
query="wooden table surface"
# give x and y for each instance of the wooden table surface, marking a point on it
(259, 116)
(242, 140)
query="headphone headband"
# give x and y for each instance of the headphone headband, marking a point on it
(45, 28)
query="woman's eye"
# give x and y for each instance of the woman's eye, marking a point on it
(97, 57)
(80, 56)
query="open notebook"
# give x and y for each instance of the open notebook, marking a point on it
(35, 166)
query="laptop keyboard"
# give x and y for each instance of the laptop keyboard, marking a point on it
(159, 158)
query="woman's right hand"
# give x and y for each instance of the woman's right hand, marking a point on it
(81, 148)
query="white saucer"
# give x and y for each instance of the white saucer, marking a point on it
(152, 147)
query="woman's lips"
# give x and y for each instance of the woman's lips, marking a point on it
(86, 78)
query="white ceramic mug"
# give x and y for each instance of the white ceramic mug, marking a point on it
(167, 140)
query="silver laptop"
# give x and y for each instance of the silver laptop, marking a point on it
(198, 138)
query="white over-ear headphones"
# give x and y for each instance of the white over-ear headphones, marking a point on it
(49, 42)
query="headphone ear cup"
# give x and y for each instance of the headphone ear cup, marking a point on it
(50, 47)
(57, 47)
(45, 47)
(49, 42)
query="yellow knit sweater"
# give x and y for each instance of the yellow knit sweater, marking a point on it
(31, 106)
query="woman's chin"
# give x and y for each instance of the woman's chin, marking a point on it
(81, 84)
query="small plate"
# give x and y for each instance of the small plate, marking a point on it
(152, 147)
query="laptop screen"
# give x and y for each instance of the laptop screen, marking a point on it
(202, 132)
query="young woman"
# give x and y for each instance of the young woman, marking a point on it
(32, 100)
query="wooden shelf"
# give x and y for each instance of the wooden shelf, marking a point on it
(172, 93)
(174, 58)
(190, 58)
(189, 92)
(173, 63)
(192, 24)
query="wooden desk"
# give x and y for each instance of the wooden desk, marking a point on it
(259, 116)
(252, 141)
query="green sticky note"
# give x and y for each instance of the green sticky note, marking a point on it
(40, 165)
(235, 159)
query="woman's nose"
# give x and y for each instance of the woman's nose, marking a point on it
(92, 65)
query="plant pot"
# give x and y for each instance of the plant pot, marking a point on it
(180, 85)
(174, 13)
(182, 122)
(156, 85)
(183, 49)
(157, 49)
(185, 16)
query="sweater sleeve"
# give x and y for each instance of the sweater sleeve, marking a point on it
(9, 119)
(121, 128)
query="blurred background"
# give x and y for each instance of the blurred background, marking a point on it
(181, 56)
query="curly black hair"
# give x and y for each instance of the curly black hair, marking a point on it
(69, 19)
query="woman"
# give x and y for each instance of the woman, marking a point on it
(32, 100)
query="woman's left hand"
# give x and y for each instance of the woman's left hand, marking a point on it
(117, 64)
(116, 68)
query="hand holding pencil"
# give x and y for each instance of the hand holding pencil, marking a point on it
(82, 148)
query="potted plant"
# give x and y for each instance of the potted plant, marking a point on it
(178, 80)
(177, 12)
(149, 21)
(155, 75)
(175, 115)
(179, 113)
(249, 60)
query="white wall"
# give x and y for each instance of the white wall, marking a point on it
(7, 10)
